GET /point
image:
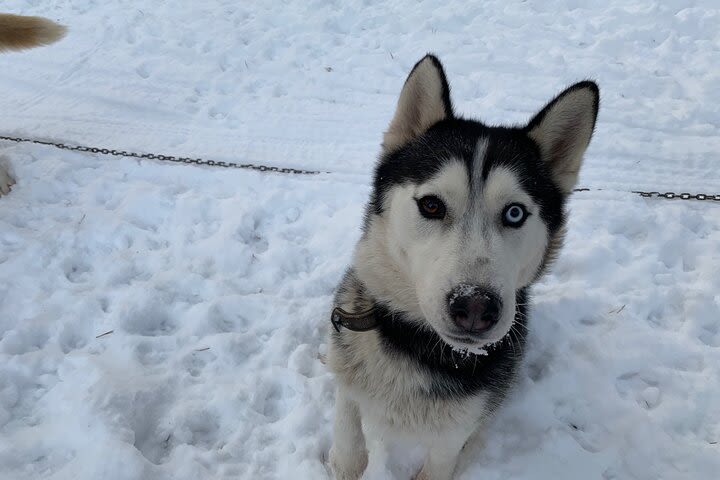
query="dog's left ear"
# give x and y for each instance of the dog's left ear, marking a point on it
(563, 130)
(424, 101)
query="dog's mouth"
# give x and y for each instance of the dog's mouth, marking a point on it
(465, 345)
(468, 344)
(465, 341)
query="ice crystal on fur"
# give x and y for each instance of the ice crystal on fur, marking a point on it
(465, 352)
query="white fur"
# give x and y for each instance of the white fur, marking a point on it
(348, 456)
(413, 263)
(443, 454)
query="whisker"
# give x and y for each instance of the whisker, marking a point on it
(521, 325)
(433, 348)
(512, 344)
(514, 332)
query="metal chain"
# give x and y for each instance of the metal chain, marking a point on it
(680, 196)
(668, 195)
(293, 171)
(164, 158)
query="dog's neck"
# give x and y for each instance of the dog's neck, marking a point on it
(401, 334)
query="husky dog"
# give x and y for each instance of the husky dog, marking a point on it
(430, 319)
(18, 32)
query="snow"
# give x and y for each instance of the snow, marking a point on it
(164, 321)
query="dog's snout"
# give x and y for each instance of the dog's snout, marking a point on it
(474, 309)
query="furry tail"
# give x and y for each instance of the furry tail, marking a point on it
(18, 32)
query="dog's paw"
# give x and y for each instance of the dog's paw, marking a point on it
(348, 467)
(6, 181)
(421, 475)
(427, 473)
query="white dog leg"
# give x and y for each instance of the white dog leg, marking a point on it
(442, 457)
(377, 445)
(348, 455)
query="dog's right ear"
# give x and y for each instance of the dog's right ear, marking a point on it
(424, 101)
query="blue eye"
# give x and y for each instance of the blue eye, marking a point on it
(514, 215)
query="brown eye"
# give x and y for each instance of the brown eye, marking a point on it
(431, 207)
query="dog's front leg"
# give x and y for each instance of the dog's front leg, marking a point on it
(442, 456)
(377, 436)
(348, 455)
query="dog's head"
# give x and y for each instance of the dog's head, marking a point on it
(464, 215)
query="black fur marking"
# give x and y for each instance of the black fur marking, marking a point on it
(457, 138)
(453, 374)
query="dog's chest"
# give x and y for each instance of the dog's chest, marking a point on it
(420, 413)
(400, 393)
(393, 382)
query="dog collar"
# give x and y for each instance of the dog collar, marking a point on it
(357, 322)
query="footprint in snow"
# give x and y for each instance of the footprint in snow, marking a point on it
(148, 320)
(76, 271)
(275, 399)
(71, 338)
(195, 362)
(143, 71)
(643, 389)
(710, 334)
(151, 353)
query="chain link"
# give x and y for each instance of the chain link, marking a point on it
(680, 196)
(667, 195)
(164, 158)
(288, 170)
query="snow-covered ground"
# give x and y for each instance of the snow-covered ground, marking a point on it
(215, 284)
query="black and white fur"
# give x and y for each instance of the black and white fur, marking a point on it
(418, 375)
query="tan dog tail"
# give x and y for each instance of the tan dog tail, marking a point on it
(18, 32)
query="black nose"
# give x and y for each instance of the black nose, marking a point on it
(474, 309)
